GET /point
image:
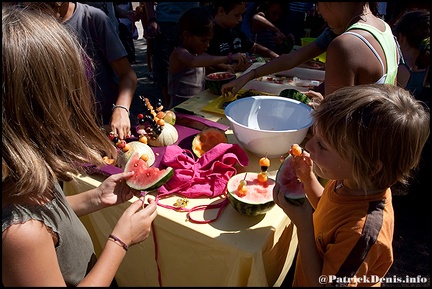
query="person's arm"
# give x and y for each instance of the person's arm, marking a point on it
(120, 13)
(283, 62)
(260, 22)
(303, 165)
(30, 256)
(120, 121)
(132, 228)
(403, 75)
(301, 216)
(309, 256)
(152, 25)
(113, 190)
(263, 51)
(181, 58)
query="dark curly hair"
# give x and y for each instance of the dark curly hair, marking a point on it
(415, 26)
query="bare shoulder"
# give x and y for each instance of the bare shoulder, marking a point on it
(347, 47)
(28, 252)
(27, 235)
(343, 50)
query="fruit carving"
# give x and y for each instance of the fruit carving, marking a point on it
(258, 198)
(264, 163)
(145, 152)
(242, 187)
(251, 193)
(152, 127)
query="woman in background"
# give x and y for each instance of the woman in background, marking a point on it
(413, 33)
(360, 49)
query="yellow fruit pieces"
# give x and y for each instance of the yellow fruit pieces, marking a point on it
(262, 177)
(264, 163)
(242, 187)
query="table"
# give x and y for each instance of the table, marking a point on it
(234, 250)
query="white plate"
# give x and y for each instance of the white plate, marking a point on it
(274, 88)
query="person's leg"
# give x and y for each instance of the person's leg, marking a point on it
(126, 39)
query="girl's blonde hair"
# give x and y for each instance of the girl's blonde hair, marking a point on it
(380, 129)
(48, 110)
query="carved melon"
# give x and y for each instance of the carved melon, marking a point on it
(259, 197)
(168, 136)
(136, 146)
(207, 139)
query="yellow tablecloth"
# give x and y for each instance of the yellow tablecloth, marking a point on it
(234, 250)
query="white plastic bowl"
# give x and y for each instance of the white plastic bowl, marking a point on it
(268, 125)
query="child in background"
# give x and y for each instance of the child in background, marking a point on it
(162, 27)
(186, 70)
(413, 33)
(265, 25)
(346, 229)
(229, 38)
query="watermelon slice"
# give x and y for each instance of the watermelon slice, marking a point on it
(287, 179)
(145, 177)
(295, 94)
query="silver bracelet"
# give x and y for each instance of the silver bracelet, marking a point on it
(121, 106)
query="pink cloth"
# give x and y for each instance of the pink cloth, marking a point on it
(206, 176)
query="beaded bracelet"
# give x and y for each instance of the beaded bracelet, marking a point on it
(115, 239)
(121, 106)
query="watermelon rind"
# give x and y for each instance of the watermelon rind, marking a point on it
(292, 188)
(146, 178)
(247, 207)
(295, 94)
